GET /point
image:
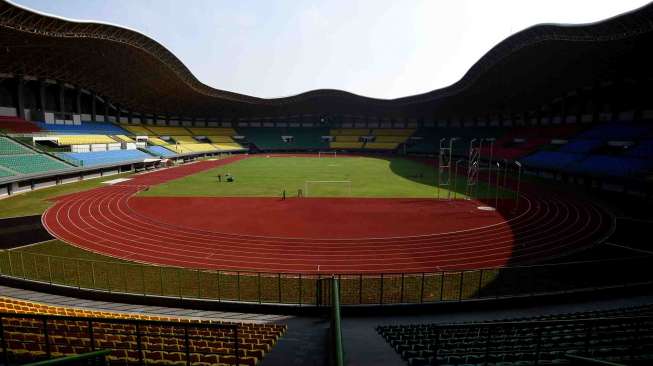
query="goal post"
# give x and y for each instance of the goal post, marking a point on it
(327, 188)
(332, 154)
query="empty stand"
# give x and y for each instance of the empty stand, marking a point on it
(618, 336)
(161, 151)
(138, 130)
(34, 331)
(17, 125)
(16, 158)
(66, 140)
(271, 138)
(85, 128)
(169, 131)
(107, 157)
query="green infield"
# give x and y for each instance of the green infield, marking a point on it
(263, 176)
(36, 202)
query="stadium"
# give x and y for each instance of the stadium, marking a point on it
(148, 218)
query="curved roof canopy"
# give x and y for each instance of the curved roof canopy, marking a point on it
(529, 68)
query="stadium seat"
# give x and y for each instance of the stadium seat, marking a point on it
(162, 343)
(66, 140)
(17, 125)
(160, 151)
(85, 128)
(31, 163)
(107, 157)
(169, 131)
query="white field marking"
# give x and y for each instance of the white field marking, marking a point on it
(116, 181)
(486, 208)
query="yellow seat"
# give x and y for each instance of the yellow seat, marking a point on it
(346, 145)
(169, 131)
(66, 140)
(347, 138)
(137, 130)
(381, 145)
(212, 131)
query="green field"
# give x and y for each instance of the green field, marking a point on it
(36, 202)
(269, 177)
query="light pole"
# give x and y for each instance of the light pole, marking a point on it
(518, 185)
(480, 151)
(489, 166)
(455, 177)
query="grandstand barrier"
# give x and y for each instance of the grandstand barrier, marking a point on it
(300, 289)
(39, 337)
(97, 358)
(528, 342)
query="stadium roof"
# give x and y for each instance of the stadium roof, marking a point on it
(136, 72)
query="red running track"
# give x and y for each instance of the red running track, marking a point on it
(320, 235)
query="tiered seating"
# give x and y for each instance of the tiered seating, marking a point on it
(18, 158)
(184, 139)
(5, 173)
(270, 138)
(157, 340)
(138, 130)
(615, 335)
(348, 138)
(85, 128)
(123, 138)
(169, 131)
(212, 131)
(157, 141)
(17, 125)
(519, 142)
(31, 163)
(107, 157)
(161, 151)
(430, 139)
(8, 147)
(590, 154)
(67, 140)
(191, 148)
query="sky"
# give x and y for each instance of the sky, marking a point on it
(377, 48)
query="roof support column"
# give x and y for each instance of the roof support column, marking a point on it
(106, 109)
(41, 101)
(93, 107)
(78, 100)
(117, 114)
(20, 96)
(129, 116)
(62, 105)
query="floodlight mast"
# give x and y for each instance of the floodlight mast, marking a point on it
(444, 165)
(473, 166)
(489, 165)
(519, 167)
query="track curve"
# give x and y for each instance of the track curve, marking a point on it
(104, 220)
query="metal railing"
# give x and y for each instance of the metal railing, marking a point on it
(97, 358)
(303, 289)
(626, 338)
(42, 337)
(336, 329)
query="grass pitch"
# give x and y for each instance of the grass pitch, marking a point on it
(370, 177)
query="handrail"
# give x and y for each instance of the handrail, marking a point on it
(371, 274)
(592, 361)
(73, 358)
(336, 330)
(535, 323)
(295, 288)
(194, 323)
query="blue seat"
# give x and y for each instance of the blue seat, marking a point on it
(107, 157)
(86, 128)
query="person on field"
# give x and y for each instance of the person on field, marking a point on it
(219, 178)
